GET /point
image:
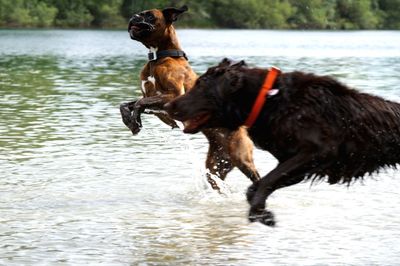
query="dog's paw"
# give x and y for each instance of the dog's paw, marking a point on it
(131, 118)
(125, 115)
(264, 216)
(135, 130)
(136, 125)
(132, 124)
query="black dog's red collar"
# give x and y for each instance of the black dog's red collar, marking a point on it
(153, 56)
(262, 96)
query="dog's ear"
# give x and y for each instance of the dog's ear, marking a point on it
(225, 62)
(241, 63)
(222, 66)
(171, 14)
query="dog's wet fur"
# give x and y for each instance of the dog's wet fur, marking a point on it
(316, 127)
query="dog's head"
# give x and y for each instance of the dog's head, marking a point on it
(149, 26)
(208, 102)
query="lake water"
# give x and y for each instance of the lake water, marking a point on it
(76, 188)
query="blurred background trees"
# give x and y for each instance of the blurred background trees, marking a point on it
(268, 14)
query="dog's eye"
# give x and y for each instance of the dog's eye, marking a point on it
(150, 16)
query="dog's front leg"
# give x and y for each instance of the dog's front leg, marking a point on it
(155, 104)
(287, 173)
(131, 111)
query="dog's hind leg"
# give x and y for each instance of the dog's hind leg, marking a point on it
(240, 148)
(228, 150)
(217, 163)
(289, 172)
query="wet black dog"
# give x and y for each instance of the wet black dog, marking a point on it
(315, 126)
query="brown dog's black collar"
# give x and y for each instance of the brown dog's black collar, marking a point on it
(153, 56)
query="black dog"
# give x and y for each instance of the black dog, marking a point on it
(315, 126)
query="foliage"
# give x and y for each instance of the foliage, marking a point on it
(32, 13)
(313, 14)
(266, 14)
(355, 14)
(390, 13)
(106, 13)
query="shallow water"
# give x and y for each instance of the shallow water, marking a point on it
(77, 188)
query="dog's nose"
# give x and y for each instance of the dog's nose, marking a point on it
(135, 18)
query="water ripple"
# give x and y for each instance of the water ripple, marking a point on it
(77, 188)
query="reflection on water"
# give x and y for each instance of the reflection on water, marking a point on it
(77, 188)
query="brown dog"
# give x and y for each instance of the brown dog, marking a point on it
(316, 127)
(168, 75)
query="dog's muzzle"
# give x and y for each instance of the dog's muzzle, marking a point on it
(137, 25)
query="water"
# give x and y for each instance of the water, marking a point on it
(76, 188)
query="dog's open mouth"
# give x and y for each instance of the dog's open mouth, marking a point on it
(194, 125)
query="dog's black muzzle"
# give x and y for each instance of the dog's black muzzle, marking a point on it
(138, 26)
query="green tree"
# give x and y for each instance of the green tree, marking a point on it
(357, 14)
(43, 15)
(79, 17)
(72, 13)
(129, 7)
(236, 13)
(24, 13)
(274, 14)
(271, 14)
(312, 14)
(106, 13)
(5, 10)
(16, 14)
(390, 13)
